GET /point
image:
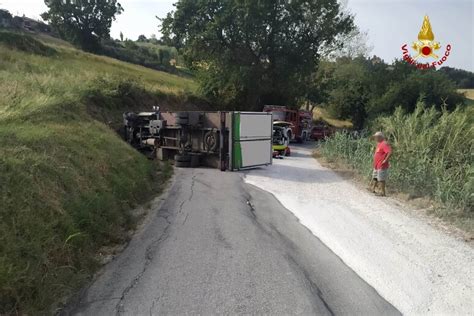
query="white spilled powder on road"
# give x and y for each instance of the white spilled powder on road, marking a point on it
(415, 267)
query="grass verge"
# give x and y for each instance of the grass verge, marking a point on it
(432, 158)
(67, 181)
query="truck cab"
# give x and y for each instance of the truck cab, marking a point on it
(300, 121)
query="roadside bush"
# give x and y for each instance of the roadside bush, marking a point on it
(432, 154)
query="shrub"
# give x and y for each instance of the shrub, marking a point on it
(432, 154)
(25, 43)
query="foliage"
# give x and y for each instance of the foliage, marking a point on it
(5, 15)
(432, 155)
(433, 87)
(25, 43)
(84, 23)
(350, 95)
(463, 79)
(149, 55)
(67, 181)
(254, 52)
(365, 88)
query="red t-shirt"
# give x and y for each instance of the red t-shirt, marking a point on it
(381, 152)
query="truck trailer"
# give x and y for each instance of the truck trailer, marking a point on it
(227, 140)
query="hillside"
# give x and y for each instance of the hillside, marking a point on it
(67, 180)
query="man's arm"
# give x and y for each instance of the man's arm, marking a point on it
(387, 157)
(388, 150)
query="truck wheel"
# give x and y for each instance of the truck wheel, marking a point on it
(182, 158)
(304, 138)
(182, 164)
(195, 161)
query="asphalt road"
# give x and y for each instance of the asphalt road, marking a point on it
(219, 246)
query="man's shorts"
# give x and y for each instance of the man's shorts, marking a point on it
(380, 175)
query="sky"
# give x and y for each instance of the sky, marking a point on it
(389, 23)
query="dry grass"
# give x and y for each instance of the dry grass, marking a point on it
(468, 93)
(320, 114)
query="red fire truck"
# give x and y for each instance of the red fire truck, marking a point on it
(301, 121)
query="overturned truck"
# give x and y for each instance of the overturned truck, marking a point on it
(226, 140)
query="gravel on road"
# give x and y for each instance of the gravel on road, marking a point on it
(418, 269)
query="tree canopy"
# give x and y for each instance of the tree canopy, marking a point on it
(254, 52)
(365, 88)
(84, 23)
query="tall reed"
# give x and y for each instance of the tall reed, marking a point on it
(433, 154)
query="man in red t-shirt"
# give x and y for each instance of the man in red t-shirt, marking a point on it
(382, 155)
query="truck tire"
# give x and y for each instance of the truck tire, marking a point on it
(182, 164)
(304, 138)
(182, 158)
(195, 161)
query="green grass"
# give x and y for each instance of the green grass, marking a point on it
(433, 157)
(67, 181)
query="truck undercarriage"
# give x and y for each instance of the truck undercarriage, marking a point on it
(211, 139)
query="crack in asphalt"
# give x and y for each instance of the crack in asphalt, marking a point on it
(151, 249)
(193, 182)
(152, 307)
(149, 255)
(252, 208)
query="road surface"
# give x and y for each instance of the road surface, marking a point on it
(417, 268)
(217, 245)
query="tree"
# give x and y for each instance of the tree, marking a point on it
(142, 38)
(320, 85)
(363, 89)
(121, 36)
(350, 91)
(254, 52)
(352, 44)
(463, 79)
(84, 23)
(164, 56)
(430, 86)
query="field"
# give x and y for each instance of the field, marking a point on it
(67, 181)
(469, 93)
(320, 114)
